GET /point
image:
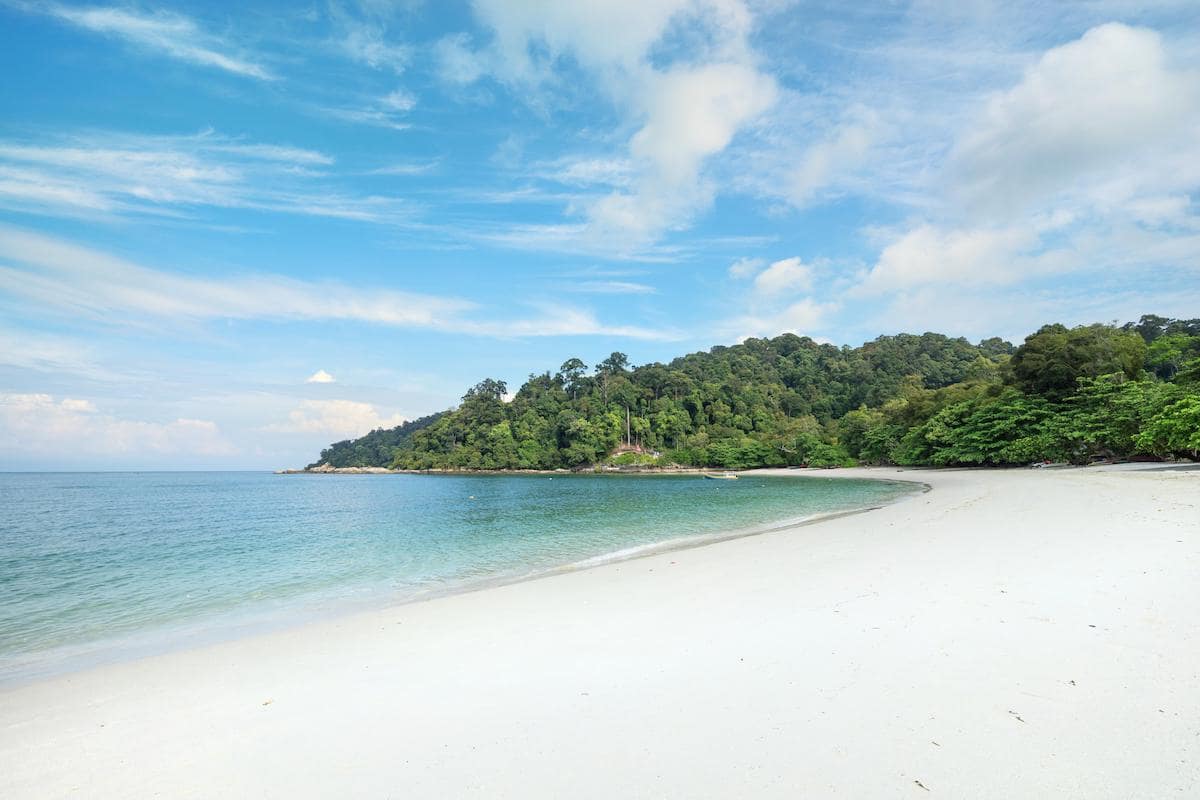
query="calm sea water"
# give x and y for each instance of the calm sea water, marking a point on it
(99, 566)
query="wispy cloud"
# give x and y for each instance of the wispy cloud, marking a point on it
(57, 274)
(386, 112)
(53, 355)
(610, 287)
(560, 320)
(404, 169)
(364, 38)
(115, 175)
(61, 274)
(170, 34)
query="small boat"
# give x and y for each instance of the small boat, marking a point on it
(724, 476)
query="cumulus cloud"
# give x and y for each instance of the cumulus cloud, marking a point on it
(1086, 163)
(775, 301)
(786, 275)
(928, 254)
(320, 376)
(1087, 117)
(335, 417)
(692, 113)
(43, 425)
(685, 110)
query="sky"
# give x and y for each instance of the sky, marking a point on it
(231, 234)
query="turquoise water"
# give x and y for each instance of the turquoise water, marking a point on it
(98, 566)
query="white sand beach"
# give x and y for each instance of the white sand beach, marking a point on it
(1009, 634)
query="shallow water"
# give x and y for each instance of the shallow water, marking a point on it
(98, 566)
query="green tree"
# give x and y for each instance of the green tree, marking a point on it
(1174, 430)
(1051, 361)
(571, 373)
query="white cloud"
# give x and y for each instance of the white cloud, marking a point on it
(561, 320)
(41, 425)
(320, 376)
(1013, 312)
(531, 34)
(405, 169)
(74, 277)
(611, 287)
(928, 254)
(774, 302)
(345, 418)
(591, 171)
(167, 33)
(457, 62)
(385, 112)
(1104, 114)
(786, 275)
(692, 113)
(80, 406)
(1086, 164)
(399, 100)
(801, 317)
(844, 148)
(171, 175)
(745, 267)
(47, 353)
(686, 111)
(365, 40)
(61, 275)
(377, 117)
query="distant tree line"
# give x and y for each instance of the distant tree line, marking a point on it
(377, 449)
(1066, 394)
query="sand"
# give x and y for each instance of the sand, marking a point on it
(1010, 634)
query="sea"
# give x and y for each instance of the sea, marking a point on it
(102, 566)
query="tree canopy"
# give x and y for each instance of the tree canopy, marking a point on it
(1074, 394)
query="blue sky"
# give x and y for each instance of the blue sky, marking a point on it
(230, 235)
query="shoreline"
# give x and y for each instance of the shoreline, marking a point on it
(590, 470)
(233, 625)
(999, 636)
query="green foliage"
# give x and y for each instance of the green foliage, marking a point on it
(1012, 428)
(377, 449)
(1051, 361)
(1105, 415)
(1167, 354)
(1066, 394)
(1174, 430)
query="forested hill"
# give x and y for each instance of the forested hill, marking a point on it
(1066, 394)
(376, 449)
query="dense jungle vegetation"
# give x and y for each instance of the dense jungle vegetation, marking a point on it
(1066, 394)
